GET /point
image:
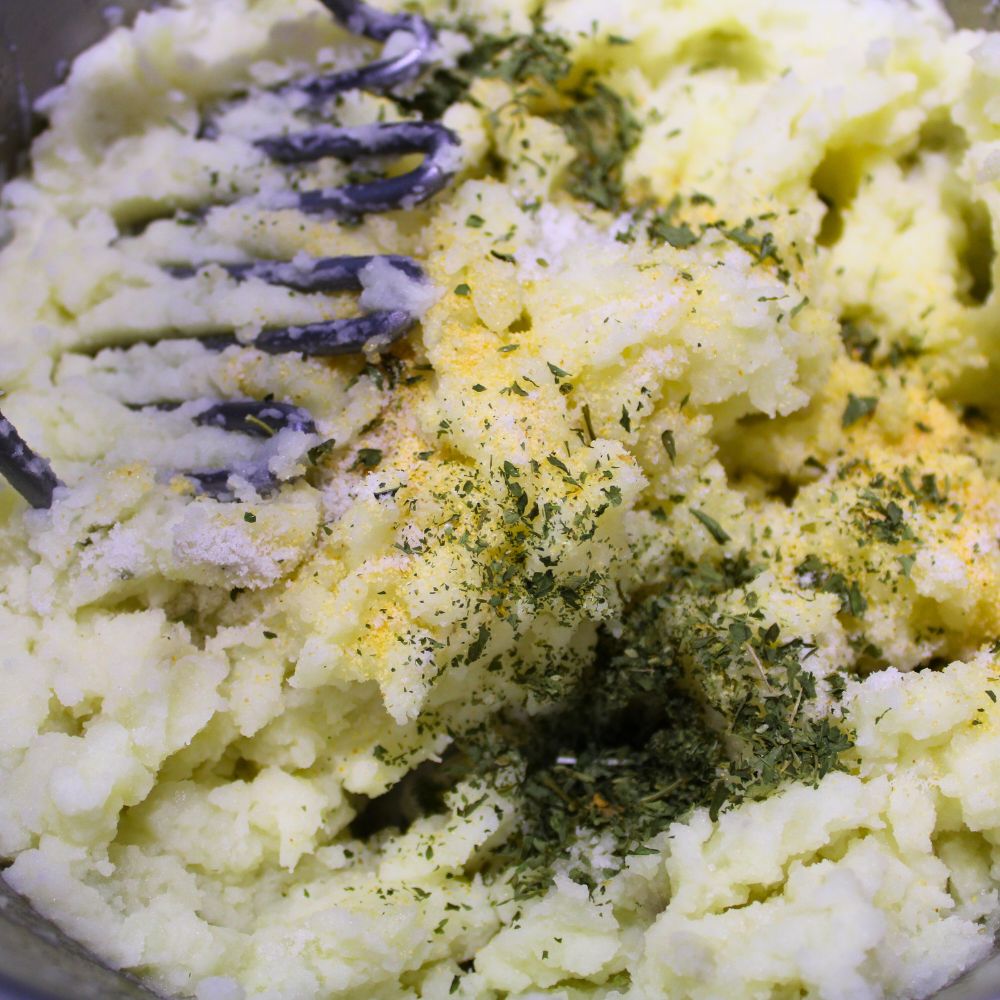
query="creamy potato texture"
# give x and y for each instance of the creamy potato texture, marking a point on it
(671, 533)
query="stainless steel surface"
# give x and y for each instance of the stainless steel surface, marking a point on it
(37, 37)
(975, 13)
(37, 962)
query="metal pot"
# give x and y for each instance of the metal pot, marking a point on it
(37, 37)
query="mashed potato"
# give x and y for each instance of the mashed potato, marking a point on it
(630, 630)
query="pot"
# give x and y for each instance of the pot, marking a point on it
(37, 38)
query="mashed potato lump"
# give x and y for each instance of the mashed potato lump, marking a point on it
(628, 630)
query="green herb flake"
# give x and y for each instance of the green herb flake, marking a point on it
(250, 517)
(475, 221)
(478, 645)
(795, 311)
(711, 526)
(856, 602)
(463, 290)
(679, 237)
(857, 408)
(667, 437)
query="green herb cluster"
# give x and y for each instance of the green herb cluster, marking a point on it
(813, 572)
(602, 130)
(597, 120)
(744, 671)
(690, 705)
